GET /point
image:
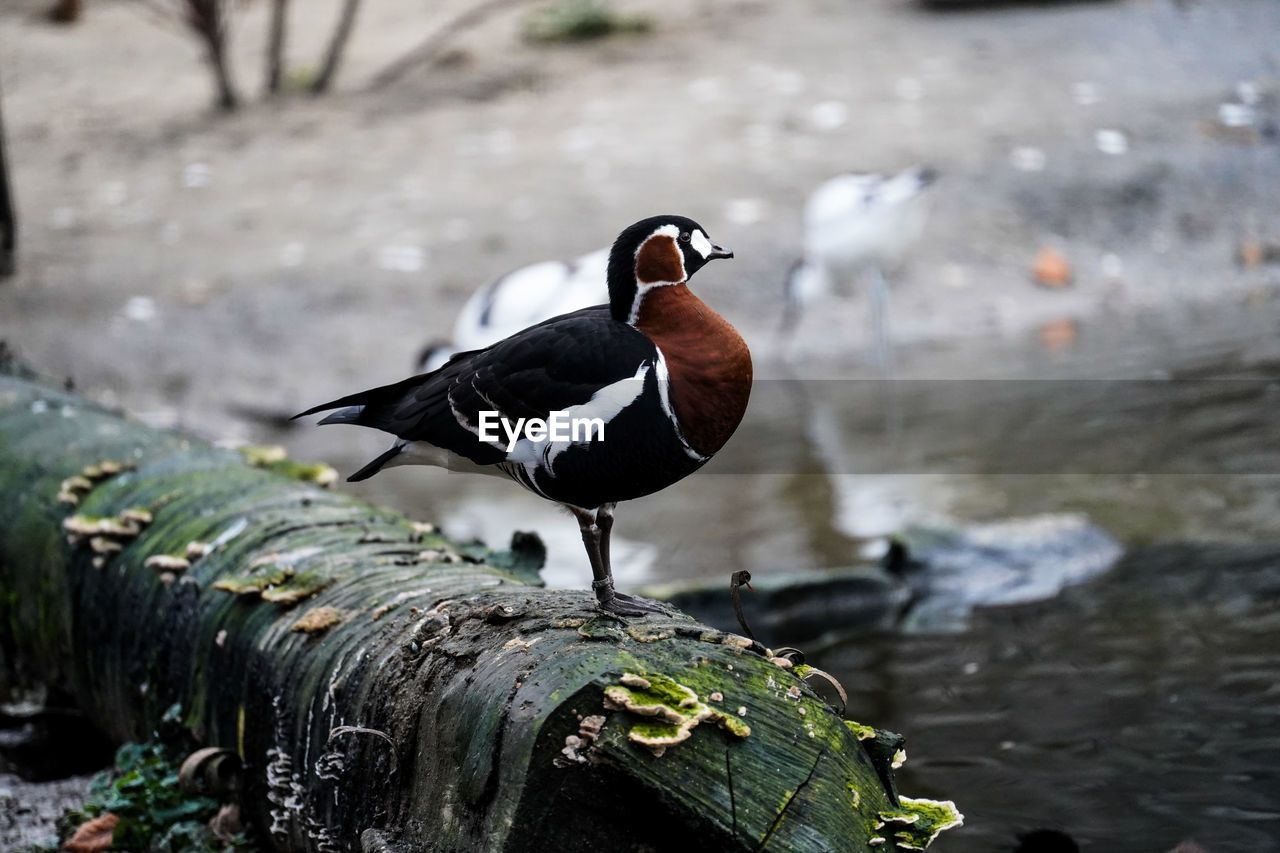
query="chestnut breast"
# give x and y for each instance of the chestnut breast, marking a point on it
(707, 360)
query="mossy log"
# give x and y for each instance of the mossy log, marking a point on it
(383, 685)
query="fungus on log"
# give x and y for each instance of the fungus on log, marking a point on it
(386, 687)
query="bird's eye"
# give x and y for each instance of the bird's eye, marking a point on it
(684, 236)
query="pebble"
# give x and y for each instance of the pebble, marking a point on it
(1051, 268)
(1111, 141)
(1027, 159)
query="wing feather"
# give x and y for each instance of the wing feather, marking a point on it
(556, 365)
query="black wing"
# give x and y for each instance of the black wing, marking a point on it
(556, 364)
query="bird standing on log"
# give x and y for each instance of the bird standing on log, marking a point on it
(656, 378)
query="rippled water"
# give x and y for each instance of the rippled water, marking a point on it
(1133, 712)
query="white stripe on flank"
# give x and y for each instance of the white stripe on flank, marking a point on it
(606, 404)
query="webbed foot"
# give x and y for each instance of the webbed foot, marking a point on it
(621, 604)
(642, 605)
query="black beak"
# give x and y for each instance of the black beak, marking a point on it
(719, 252)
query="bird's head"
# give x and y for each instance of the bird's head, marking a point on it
(656, 252)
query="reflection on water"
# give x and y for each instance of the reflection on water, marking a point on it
(1135, 711)
(819, 465)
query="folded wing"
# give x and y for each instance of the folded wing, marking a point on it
(574, 363)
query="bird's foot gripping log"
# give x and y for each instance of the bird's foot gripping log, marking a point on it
(596, 526)
(515, 718)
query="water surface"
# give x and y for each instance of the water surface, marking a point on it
(1135, 710)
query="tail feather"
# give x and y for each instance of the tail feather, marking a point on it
(350, 401)
(349, 415)
(360, 399)
(376, 465)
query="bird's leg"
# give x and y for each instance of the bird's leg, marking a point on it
(601, 581)
(879, 292)
(595, 526)
(604, 521)
(634, 605)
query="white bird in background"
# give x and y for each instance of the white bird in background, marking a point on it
(854, 224)
(857, 225)
(522, 298)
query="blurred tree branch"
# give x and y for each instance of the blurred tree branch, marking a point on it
(338, 43)
(8, 222)
(208, 18)
(427, 50)
(275, 45)
(65, 11)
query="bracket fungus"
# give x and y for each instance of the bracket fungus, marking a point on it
(674, 711)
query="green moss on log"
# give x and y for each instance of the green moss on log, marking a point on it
(431, 694)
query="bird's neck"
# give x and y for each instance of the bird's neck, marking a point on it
(707, 360)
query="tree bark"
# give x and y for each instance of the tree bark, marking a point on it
(381, 682)
(337, 44)
(8, 219)
(209, 19)
(275, 45)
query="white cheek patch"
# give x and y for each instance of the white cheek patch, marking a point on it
(700, 242)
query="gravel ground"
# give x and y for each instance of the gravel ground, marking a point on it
(29, 810)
